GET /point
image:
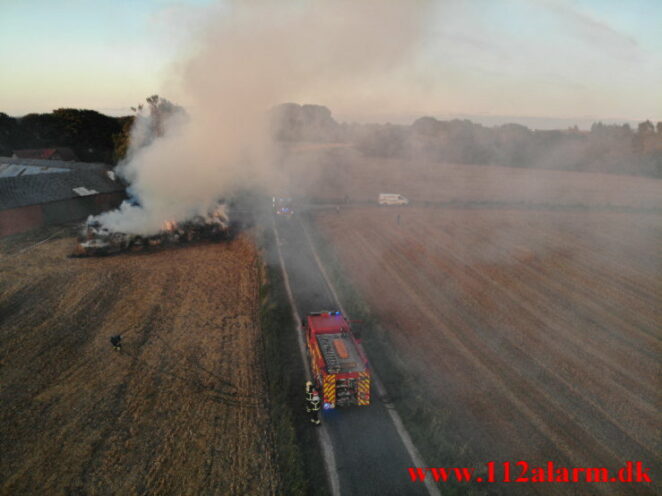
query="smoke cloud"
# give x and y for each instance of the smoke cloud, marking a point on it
(248, 57)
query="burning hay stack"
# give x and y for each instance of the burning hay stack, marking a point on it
(97, 239)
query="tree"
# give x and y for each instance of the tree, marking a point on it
(645, 128)
(7, 133)
(121, 140)
(144, 127)
(160, 110)
(85, 128)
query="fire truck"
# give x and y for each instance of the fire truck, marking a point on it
(338, 364)
(282, 206)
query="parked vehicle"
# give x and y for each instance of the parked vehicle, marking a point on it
(392, 199)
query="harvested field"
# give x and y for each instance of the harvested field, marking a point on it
(330, 174)
(536, 332)
(177, 411)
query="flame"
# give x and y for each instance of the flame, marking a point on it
(169, 225)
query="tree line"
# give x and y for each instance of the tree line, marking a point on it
(92, 135)
(604, 148)
(96, 137)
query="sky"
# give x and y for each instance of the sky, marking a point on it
(551, 61)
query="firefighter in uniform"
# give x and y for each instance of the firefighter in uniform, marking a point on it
(316, 406)
(313, 403)
(116, 341)
(309, 396)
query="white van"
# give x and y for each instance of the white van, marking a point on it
(392, 199)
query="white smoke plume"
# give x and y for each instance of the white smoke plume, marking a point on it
(248, 57)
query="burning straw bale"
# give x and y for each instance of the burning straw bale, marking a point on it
(98, 239)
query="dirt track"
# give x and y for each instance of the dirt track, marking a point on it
(537, 332)
(177, 411)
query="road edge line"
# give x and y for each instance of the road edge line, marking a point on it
(415, 455)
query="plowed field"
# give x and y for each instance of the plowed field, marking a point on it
(537, 333)
(177, 411)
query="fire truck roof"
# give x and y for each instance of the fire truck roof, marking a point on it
(328, 322)
(331, 344)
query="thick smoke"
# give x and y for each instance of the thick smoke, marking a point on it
(248, 57)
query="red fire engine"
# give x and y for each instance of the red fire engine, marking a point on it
(339, 365)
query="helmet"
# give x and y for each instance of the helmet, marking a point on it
(309, 384)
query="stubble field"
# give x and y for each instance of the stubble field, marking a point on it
(177, 411)
(536, 332)
(333, 174)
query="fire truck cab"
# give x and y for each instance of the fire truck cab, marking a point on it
(282, 206)
(338, 364)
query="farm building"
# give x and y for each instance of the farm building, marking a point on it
(39, 192)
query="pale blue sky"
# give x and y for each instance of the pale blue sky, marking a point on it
(599, 58)
(103, 54)
(549, 58)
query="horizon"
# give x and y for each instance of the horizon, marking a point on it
(532, 122)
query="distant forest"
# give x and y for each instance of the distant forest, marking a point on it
(96, 137)
(605, 148)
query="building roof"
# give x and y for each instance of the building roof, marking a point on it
(24, 190)
(62, 153)
(12, 170)
(48, 164)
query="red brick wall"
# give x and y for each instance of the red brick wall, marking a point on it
(25, 218)
(20, 219)
(108, 201)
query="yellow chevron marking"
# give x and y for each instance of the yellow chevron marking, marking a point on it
(364, 389)
(330, 389)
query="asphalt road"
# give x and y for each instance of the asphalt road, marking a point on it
(370, 456)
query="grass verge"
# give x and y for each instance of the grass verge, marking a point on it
(298, 454)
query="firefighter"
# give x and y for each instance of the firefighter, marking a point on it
(313, 403)
(116, 341)
(309, 395)
(315, 406)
